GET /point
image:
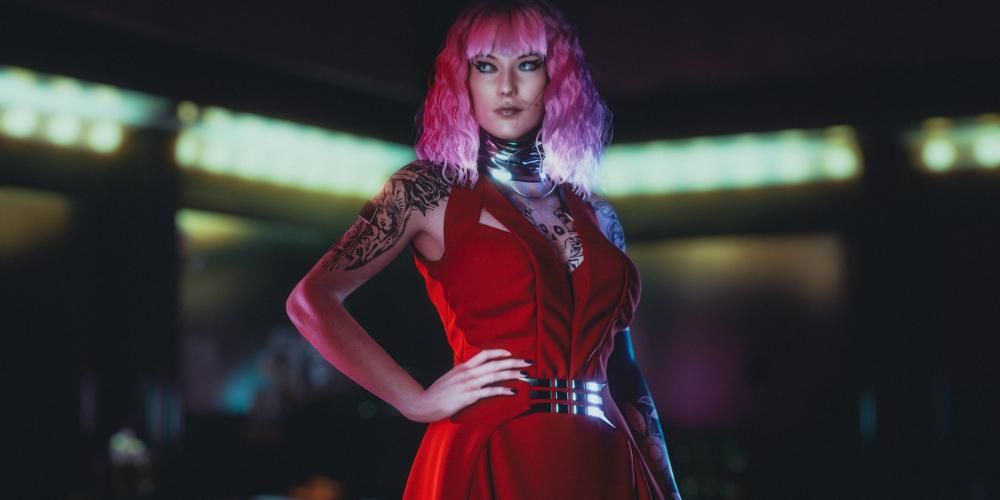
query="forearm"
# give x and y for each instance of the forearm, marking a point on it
(632, 396)
(644, 423)
(338, 337)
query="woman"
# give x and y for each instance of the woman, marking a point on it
(526, 267)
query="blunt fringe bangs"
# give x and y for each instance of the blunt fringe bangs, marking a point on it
(577, 123)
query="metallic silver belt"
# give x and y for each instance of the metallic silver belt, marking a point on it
(562, 395)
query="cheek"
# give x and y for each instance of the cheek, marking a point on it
(538, 87)
(476, 95)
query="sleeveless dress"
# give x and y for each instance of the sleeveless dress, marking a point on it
(509, 290)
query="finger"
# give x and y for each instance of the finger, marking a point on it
(485, 354)
(493, 391)
(497, 364)
(489, 378)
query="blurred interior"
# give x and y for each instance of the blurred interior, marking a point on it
(810, 193)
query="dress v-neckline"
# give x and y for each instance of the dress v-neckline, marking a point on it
(534, 233)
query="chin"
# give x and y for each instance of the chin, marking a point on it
(509, 132)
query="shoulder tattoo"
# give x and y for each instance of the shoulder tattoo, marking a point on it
(609, 221)
(418, 186)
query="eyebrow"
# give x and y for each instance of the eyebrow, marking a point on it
(529, 54)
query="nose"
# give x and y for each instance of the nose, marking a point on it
(506, 86)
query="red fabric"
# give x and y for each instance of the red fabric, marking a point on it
(509, 290)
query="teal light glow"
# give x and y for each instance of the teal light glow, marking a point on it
(240, 387)
(257, 148)
(789, 157)
(868, 416)
(50, 94)
(67, 112)
(945, 144)
(63, 129)
(986, 147)
(839, 161)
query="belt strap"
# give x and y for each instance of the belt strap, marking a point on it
(579, 397)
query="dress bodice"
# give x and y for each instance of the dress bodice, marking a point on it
(508, 289)
(497, 289)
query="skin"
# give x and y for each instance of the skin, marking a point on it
(411, 203)
(409, 209)
(499, 80)
(503, 80)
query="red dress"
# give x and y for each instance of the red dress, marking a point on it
(509, 290)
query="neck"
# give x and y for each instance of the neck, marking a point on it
(512, 159)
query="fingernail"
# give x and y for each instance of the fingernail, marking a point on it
(530, 362)
(513, 391)
(524, 373)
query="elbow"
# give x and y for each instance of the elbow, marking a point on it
(296, 305)
(307, 303)
(293, 304)
(300, 303)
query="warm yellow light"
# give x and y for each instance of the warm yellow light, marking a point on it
(31, 219)
(209, 230)
(187, 112)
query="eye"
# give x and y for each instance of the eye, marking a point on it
(484, 67)
(531, 65)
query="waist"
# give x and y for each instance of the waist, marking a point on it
(583, 397)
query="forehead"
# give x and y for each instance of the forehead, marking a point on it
(512, 34)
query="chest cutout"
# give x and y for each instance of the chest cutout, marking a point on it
(555, 225)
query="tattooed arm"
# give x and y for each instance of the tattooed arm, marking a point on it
(384, 227)
(629, 390)
(628, 387)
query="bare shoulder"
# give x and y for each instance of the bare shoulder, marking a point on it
(418, 185)
(416, 189)
(397, 213)
(608, 220)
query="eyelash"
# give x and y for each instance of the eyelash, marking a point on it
(535, 65)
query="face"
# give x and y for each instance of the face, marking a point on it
(507, 93)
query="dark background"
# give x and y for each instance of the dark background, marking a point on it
(885, 389)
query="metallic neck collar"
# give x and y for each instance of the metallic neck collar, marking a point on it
(512, 160)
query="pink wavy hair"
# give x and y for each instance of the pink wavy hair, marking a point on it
(577, 122)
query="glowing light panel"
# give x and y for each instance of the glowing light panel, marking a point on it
(67, 112)
(257, 148)
(789, 157)
(944, 144)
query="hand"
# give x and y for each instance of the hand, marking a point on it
(463, 385)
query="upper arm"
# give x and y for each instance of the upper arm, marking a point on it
(384, 226)
(608, 220)
(623, 354)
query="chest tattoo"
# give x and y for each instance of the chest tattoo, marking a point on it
(560, 232)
